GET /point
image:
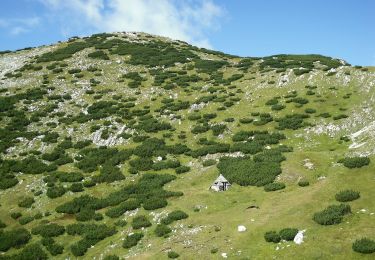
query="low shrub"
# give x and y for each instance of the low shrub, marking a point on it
(52, 247)
(209, 162)
(173, 254)
(132, 240)
(27, 202)
(303, 183)
(364, 246)
(2, 224)
(272, 236)
(130, 204)
(341, 116)
(55, 192)
(332, 214)
(355, 162)
(245, 171)
(288, 234)
(310, 111)
(32, 251)
(13, 238)
(214, 250)
(278, 107)
(25, 220)
(174, 216)
(162, 230)
(347, 195)
(182, 169)
(246, 120)
(76, 187)
(154, 203)
(48, 230)
(140, 221)
(274, 186)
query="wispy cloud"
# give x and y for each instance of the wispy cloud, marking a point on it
(187, 20)
(16, 26)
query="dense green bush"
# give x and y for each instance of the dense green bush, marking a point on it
(111, 257)
(132, 240)
(278, 107)
(63, 53)
(2, 224)
(101, 55)
(25, 219)
(182, 169)
(52, 246)
(211, 149)
(249, 147)
(272, 101)
(154, 203)
(108, 174)
(174, 216)
(162, 230)
(303, 183)
(218, 129)
(130, 204)
(347, 195)
(55, 191)
(274, 186)
(13, 238)
(246, 120)
(31, 165)
(272, 236)
(300, 100)
(310, 111)
(355, 162)
(15, 215)
(341, 116)
(209, 162)
(30, 252)
(26, 202)
(91, 233)
(332, 214)
(364, 246)
(76, 187)
(288, 234)
(48, 230)
(245, 171)
(264, 118)
(140, 221)
(173, 255)
(166, 165)
(209, 66)
(80, 248)
(294, 121)
(141, 164)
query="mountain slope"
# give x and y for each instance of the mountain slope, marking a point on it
(100, 131)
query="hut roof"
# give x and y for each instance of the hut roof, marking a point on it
(221, 178)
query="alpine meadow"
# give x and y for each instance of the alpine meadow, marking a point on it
(129, 145)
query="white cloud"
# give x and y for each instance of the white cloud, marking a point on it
(17, 26)
(187, 20)
(17, 30)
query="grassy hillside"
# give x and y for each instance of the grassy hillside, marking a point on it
(109, 145)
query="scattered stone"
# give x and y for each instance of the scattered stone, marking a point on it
(241, 228)
(298, 239)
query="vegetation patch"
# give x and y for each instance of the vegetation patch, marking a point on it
(332, 214)
(347, 195)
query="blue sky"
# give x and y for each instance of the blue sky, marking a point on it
(338, 28)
